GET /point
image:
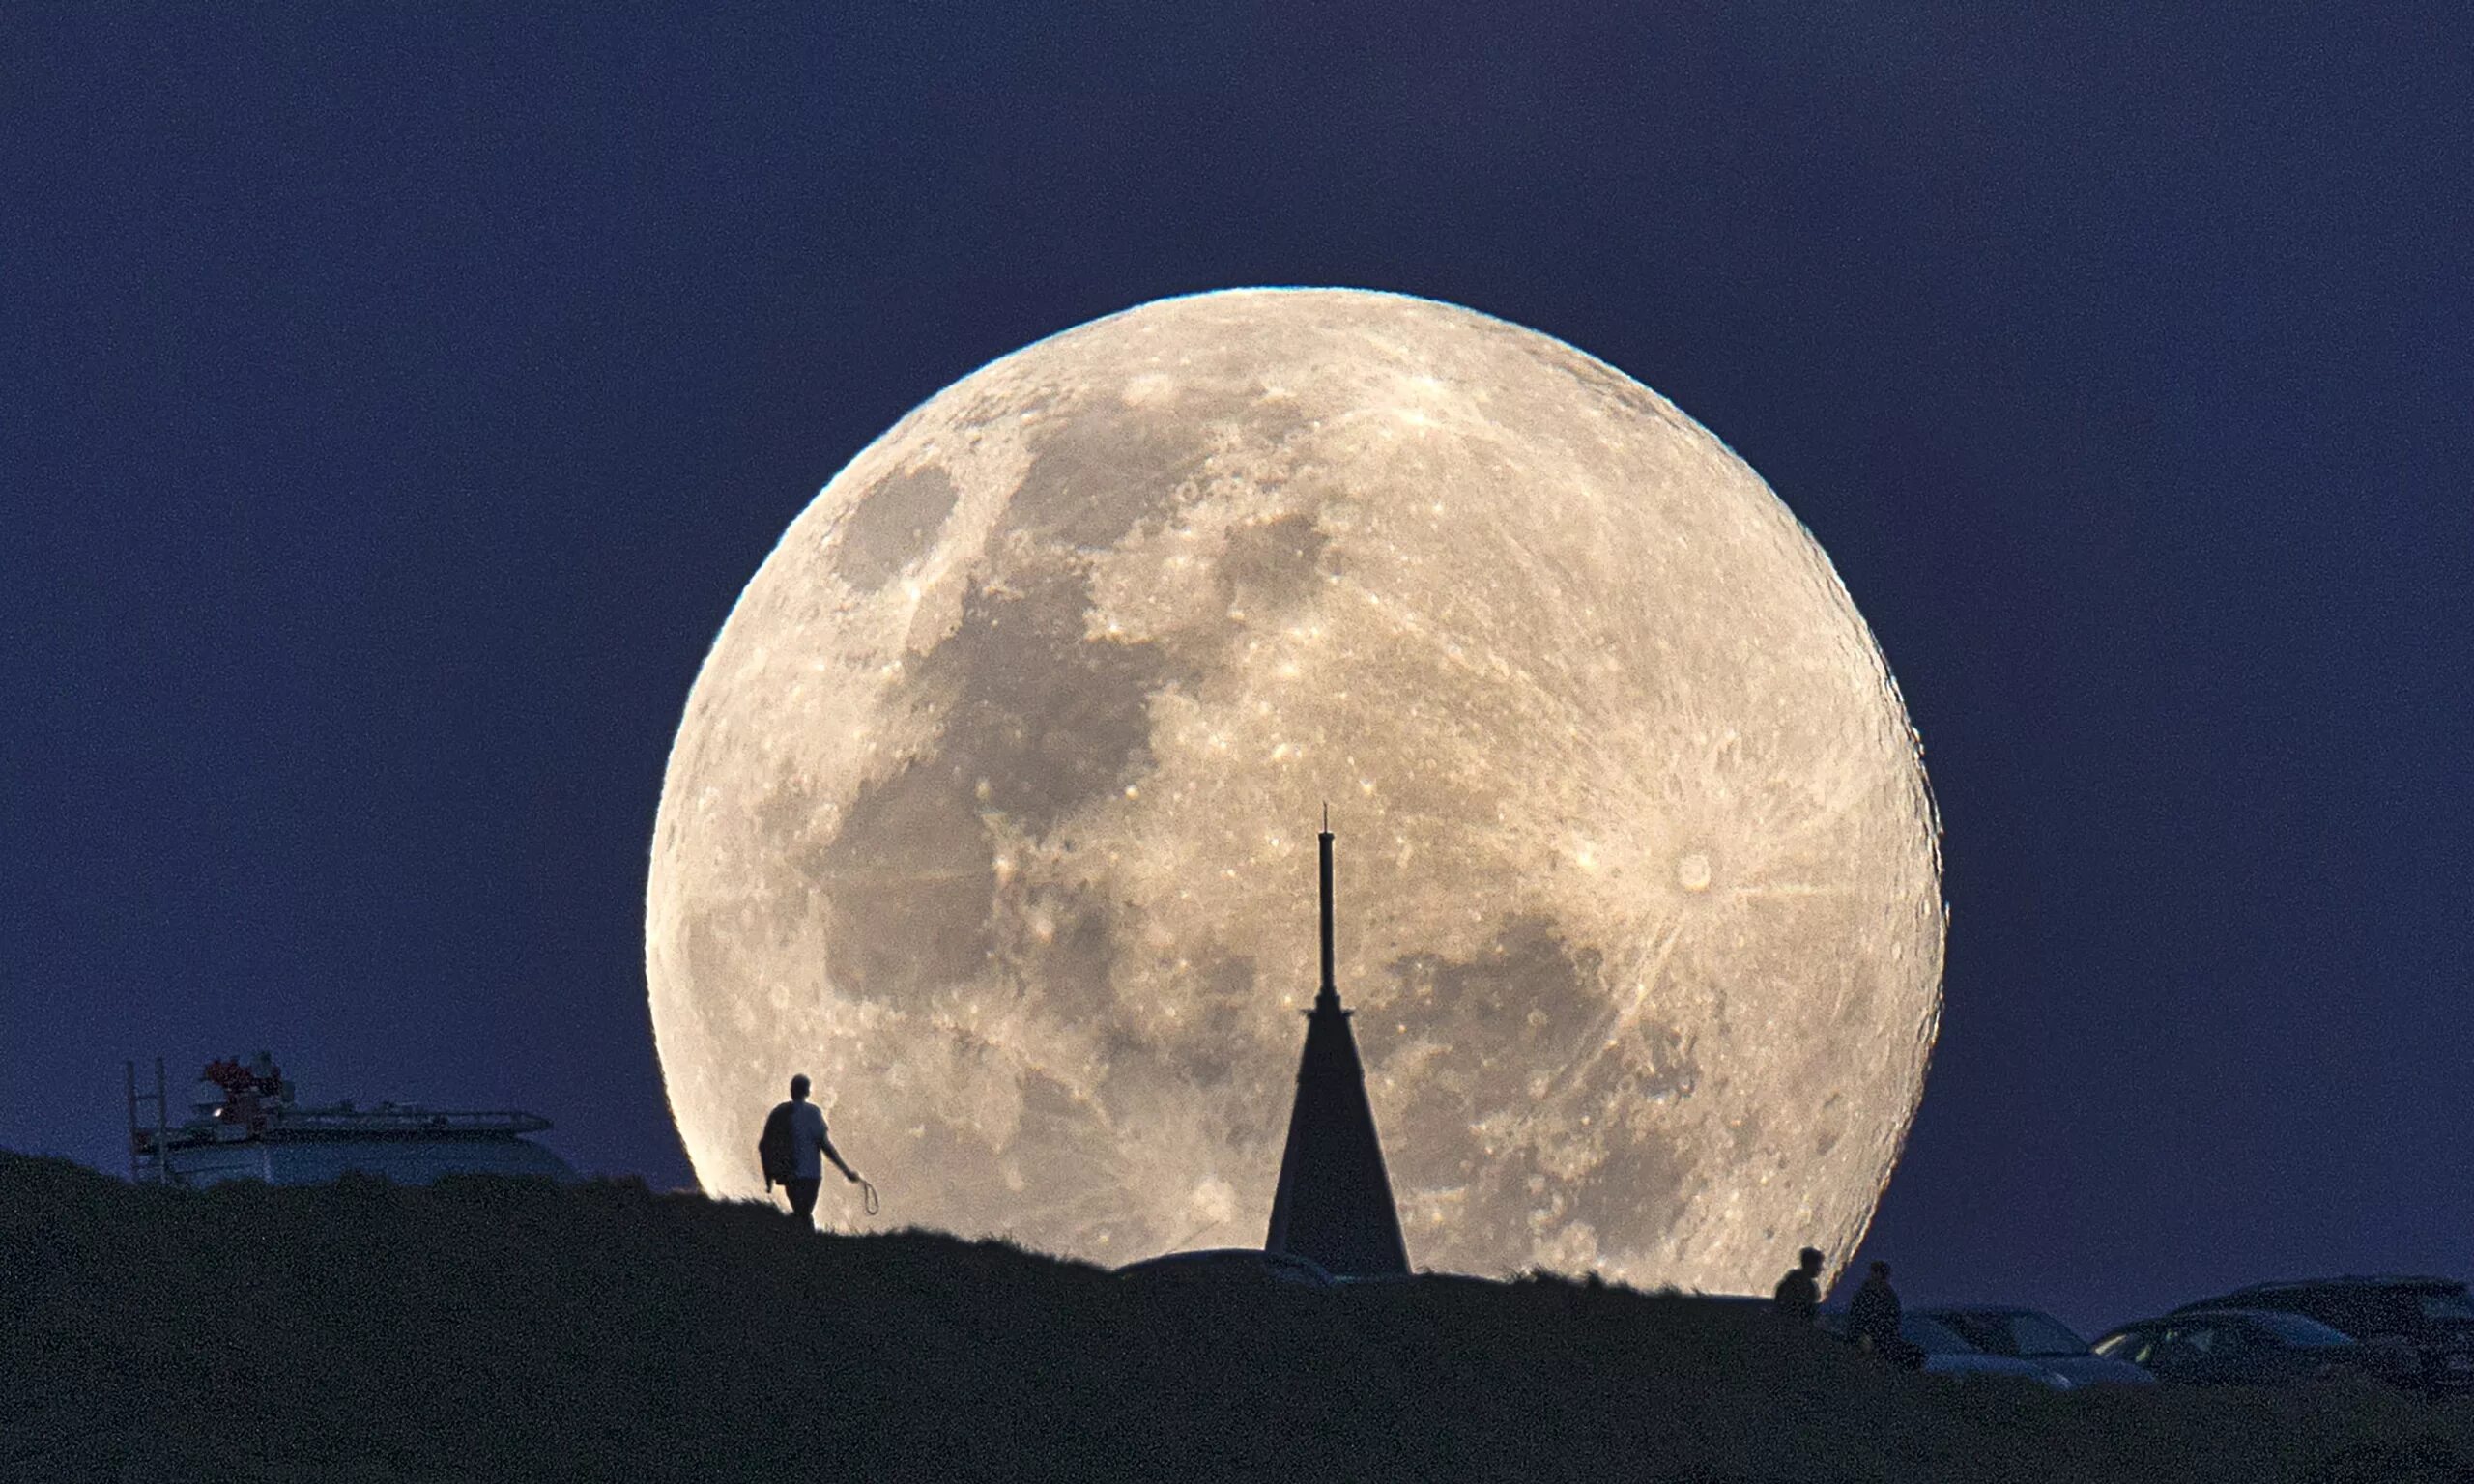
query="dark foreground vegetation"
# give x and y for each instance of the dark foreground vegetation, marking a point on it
(492, 1329)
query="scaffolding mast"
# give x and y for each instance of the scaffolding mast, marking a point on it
(137, 1133)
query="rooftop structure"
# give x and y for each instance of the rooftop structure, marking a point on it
(245, 1123)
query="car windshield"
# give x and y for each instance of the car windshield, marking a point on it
(2299, 1330)
(1293, 1269)
(2447, 1304)
(2122, 1346)
(2013, 1333)
(2041, 1334)
(1933, 1337)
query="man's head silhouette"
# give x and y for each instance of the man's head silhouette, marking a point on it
(1881, 1270)
(799, 1087)
(1811, 1259)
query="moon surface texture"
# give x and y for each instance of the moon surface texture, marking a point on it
(994, 807)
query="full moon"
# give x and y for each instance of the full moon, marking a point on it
(994, 808)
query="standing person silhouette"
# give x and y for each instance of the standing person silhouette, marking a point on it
(793, 1140)
(1797, 1296)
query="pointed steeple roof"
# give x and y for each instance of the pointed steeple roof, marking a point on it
(1335, 1200)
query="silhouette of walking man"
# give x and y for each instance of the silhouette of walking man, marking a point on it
(1797, 1296)
(794, 1137)
(1873, 1316)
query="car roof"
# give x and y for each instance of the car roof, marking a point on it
(2277, 1294)
(2217, 1314)
(2203, 1311)
(1225, 1254)
(2354, 1280)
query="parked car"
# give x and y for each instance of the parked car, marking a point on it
(2029, 1334)
(2433, 1317)
(1231, 1266)
(1945, 1353)
(2250, 1347)
(1421, 1282)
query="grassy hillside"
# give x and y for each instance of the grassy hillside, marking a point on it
(488, 1329)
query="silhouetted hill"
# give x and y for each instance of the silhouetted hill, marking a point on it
(492, 1328)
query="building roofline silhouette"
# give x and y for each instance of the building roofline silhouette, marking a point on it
(1334, 1199)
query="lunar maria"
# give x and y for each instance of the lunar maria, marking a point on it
(993, 807)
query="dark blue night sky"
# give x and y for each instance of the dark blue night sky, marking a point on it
(395, 399)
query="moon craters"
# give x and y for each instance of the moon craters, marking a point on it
(893, 526)
(993, 807)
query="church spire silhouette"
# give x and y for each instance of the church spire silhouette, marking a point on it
(1334, 1200)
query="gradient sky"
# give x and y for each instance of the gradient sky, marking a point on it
(394, 399)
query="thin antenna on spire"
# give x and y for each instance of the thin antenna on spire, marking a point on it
(1330, 988)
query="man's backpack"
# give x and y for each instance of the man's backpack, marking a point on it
(773, 1148)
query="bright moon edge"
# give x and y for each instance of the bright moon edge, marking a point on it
(989, 806)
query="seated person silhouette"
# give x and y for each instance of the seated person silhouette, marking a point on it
(1797, 1296)
(1873, 1320)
